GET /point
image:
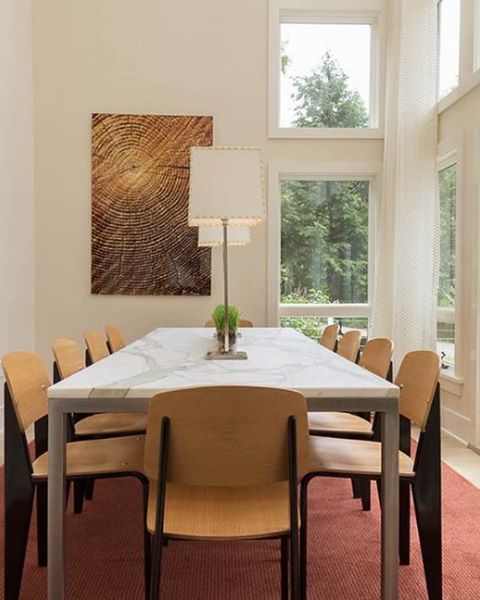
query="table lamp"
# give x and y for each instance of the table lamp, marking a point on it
(227, 190)
(212, 237)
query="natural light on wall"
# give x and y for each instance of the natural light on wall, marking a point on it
(321, 61)
(449, 45)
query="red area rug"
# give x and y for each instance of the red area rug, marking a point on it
(104, 552)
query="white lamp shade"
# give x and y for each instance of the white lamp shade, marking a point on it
(226, 183)
(212, 237)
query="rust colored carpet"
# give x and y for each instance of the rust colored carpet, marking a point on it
(104, 552)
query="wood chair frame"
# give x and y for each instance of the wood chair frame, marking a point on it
(426, 490)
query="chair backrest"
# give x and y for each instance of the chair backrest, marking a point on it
(241, 323)
(226, 435)
(68, 357)
(115, 338)
(349, 345)
(417, 379)
(329, 336)
(27, 383)
(377, 356)
(96, 345)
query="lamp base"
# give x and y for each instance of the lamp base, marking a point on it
(230, 355)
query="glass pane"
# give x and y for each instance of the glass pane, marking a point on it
(448, 195)
(324, 242)
(325, 78)
(313, 326)
(446, 282)
(449, 45)
(446, 342)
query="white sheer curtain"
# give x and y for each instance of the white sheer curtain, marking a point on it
(406, 266)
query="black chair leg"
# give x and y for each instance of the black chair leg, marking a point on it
(404, 550)
(428, 513)
(365, 493)
(303, 538)
(18, 511)
(89, 489)
(42, 524)
(284, 567)
(356, 487)
(78, 495)
(156, 570)
(147, 543)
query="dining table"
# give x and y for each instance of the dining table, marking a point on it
(172, 357)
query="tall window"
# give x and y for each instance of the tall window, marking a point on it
(446, 287)
(325, 74)
(324, 253)
(449, 45)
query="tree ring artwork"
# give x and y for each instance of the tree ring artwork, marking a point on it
(141, 241)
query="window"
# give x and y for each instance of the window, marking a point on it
(324, 68)
(325, 74)
(324, 249)
(449, 46)
(447, 277)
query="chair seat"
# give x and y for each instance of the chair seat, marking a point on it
(223, 513)
(111, 423)
(355, 457)
(339, 423)
(98, 457)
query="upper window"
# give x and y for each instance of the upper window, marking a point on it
(325, 74)
(323, 69)
(449, 46)
(447, 276)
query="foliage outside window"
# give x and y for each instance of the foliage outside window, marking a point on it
(446, 284)
(325, 75)
(449, 45)
(313, 326)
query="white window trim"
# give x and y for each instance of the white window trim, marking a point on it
(469, 67)
(307, 11)
(279, 172)
(449, 154)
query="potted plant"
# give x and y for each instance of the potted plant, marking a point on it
(218, 317)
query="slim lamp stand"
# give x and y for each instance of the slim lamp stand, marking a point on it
(226, 353)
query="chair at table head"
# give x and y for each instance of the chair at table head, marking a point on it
(241, 323)
(96, 346)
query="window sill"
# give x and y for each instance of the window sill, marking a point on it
(459, 92)
(451, 383)
(324, 310)
(345, 133)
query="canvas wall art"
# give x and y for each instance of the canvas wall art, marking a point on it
(141, 241)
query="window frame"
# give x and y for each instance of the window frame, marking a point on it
(449, 154)
(279, 172)
(311, 11)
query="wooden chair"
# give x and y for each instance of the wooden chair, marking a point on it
(115, 339)
(349, 345)
(69, 360)
(228, 469)
(376, 358)
(26, 404)
(241, 323)
(96, 346)
(329, 337)
(334, 457)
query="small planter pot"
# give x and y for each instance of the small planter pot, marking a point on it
(232, 341)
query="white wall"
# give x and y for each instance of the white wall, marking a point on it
(16, 179)
(167, 57)
(460, 125)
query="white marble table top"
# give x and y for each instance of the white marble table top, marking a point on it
(170, 358)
